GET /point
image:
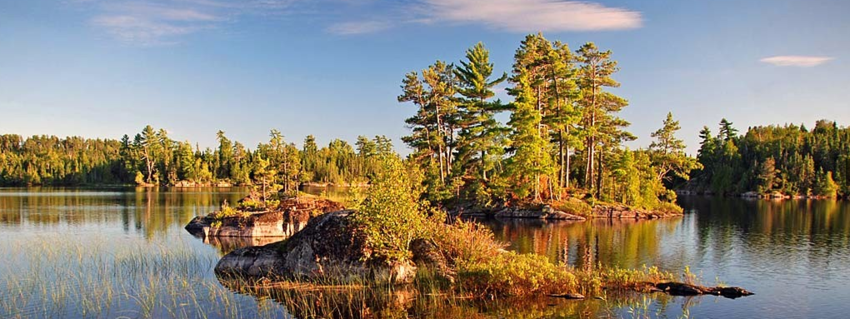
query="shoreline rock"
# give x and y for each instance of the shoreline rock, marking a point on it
(325, 249)
(546, 212)
(191, 184)
(624, 212)
(284, 221)
(327, 185)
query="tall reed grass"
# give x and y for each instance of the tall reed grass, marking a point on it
(57, 276)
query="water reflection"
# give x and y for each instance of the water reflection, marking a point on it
(149, 211)
(405, 302)
(794, 254)
(621, 243)
(228, 244)
(780, 249)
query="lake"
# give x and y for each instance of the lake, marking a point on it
(122, 252)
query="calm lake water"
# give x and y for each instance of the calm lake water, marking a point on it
(122, 252)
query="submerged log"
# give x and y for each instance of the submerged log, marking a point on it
(684, 289)
(568, 296)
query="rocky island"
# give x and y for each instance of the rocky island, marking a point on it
(392, 237)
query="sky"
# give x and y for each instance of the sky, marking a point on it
(333, 68)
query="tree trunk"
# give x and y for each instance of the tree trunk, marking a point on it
(483, 165)
(442, 138)
(599, 175)
(567, 166)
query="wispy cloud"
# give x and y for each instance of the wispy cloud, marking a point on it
(535, 15)
(357, 27)
(140, 30)
(796, 60)
(152, 22)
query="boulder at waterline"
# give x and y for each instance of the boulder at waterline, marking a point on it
(283, 221)
(327, 248)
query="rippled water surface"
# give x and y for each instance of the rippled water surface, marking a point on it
(123, 252)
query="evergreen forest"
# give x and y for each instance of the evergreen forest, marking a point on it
(563, 138)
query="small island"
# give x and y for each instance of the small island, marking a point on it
(393, 237)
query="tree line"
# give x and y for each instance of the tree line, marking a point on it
(564, 136)
(563, 139)
(151, 157)
(789, 159)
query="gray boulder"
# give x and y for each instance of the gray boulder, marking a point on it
(327, 248)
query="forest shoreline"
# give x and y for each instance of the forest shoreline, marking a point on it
(752, 195)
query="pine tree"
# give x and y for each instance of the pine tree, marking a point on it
(530, 162)
(727, 132)
(225, 155)
(148, 143)
(825, 186)
(668, 152)
(602, 129)
(480, 133)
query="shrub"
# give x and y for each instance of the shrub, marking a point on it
(668, 207)
(227, 212)
(392, 215)
(250, 204)
(464, 242)
(573, 206)
(512, 274)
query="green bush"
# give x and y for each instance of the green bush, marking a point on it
(249, 204)
(392, 215)
(512, 274)
(667, 207)
(464, 242)
(573, 206)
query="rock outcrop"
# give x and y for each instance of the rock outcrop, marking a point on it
(284, 221)
(327, 248)
(546, 212)
(624, 212)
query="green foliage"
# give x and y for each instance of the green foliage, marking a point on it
(463, 243)
(786, 159)
(228, 211)
(480, 136)
(392, 214)
(573, 206)
(667, 152)
(530, 164)
(622, 278)
(602, 129)
(512, 274)
(153, 158)
(824, 185)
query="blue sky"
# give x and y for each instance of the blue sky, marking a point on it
(332, 68)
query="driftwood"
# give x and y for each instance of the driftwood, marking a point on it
(568, 296)
(683, 289)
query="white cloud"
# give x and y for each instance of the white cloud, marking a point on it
(357, 27)
(150, 22)
(535, 15)
(796, 60)
(140, 30)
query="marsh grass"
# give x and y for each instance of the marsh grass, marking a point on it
(59, 276)
(68, 277)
